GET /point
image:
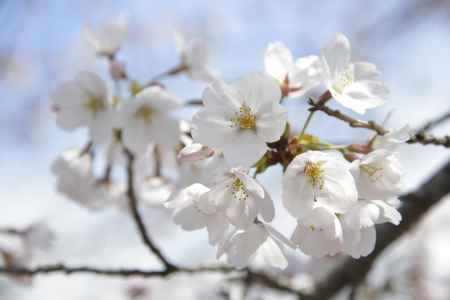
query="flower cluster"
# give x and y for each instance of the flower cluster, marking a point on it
(336, 193)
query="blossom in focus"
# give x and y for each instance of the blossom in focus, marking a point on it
(195, 58)
(359, 225)
(242, 198)
(319, 233)
(107, 39)
(353, 84)
(240, 118)
(244, 245)
(147, 118)
(193, 209)
(317, 178)
(378, 175)
(294, 77)
(84, 102)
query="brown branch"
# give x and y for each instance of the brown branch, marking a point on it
(251, 277)
(137, 217)
(418, 138)
(435, 122)
(415, 206)
(352, 122)
(429, 139)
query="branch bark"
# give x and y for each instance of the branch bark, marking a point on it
(132, 198)
(419, 138)
(414, 206)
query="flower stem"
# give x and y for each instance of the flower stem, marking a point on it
(308, 120)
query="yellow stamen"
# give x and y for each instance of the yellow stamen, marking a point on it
(371, 170)
(95, 105)
(145, 112)
(238, 190)
(345, 79)
(245, 119)
(315, 173)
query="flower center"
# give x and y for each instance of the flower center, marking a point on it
(245, 119)
(145, 113)
(315, 173)
(95, 105)
(373, 171)
(238, 190)
(345, 79)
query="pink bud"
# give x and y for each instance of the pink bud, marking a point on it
(194, 152)
(117, 70)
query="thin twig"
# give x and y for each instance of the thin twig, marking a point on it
(137, 217)
(434, 123)
(371, 125)
(429, 139)
(418, 138)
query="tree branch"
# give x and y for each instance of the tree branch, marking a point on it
(414, 206)
(435, 122)
(137, 217)
(419, 138)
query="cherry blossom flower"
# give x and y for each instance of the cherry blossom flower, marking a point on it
(194, 209)
(84, 103)
(208, 171)
(359, 225)
(107, 39)
(75, 180)
(319, 233)
(242, 198)
(147, 118)
(240, 118)
(316, 177)
(392, 139)
(354, 85)
(194, 58)
(258, 240)
(378, 175)
(294, 77)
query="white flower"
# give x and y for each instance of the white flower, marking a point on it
(107, 39)
(76, 181)
(241, 118)
(242, 198)
(354, 85)
(392, 139)
(242, 246)
(146, 119)
(194, 152)
(316, 177)
(195, 58)
(84, 103)
(378, 175)
(319, 233)
(295, 77)
(194, 209)
(359, 225)
(208, 171)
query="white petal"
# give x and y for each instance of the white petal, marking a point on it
(336, 54)
(244, 148)
(273, 254)
(278, 60)
(270, 125)
(256, 90)
(158, 99)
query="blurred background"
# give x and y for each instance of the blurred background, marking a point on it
(42, 44)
